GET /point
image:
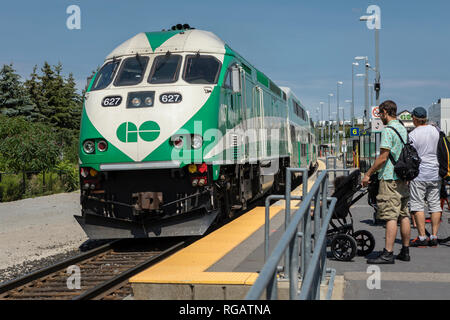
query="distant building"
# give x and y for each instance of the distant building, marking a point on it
(440, 114)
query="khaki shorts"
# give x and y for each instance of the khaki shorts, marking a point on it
(392, 200)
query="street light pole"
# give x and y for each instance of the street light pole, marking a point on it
(375, 18)
(337, 117)
(344, 147)
(321, 126)
(366, 86)
(353, 92)
(377, 62)
(329, 118)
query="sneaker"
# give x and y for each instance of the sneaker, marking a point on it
(433, 242)
(418, 243)
(384, 257)
(404, 254)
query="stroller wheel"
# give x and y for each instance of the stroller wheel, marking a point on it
(365, 242)
(343, 247)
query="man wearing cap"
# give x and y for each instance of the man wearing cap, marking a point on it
(426, 187)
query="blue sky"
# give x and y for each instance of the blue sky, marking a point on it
(306, 45)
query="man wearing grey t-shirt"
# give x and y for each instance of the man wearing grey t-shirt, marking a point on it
(426, 187)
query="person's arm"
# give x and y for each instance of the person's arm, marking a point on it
(377, 165)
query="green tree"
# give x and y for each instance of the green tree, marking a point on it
(27, 146)
(34, 90)
(14, 98)
(56, 97)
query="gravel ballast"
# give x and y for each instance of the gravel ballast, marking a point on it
(37, 232)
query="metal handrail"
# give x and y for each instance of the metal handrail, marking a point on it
(289, 243)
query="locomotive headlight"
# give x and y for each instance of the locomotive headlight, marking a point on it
(89, 146)
(136, 102)
(197, 142)
(141, 99)
(148, 101)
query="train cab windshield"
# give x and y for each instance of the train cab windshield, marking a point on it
(165, 69)
(131, 71)
(201, 69)
(105, 75)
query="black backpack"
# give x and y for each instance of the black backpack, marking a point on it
(443, 156)
(407, 165)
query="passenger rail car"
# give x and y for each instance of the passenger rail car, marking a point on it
(179, 131)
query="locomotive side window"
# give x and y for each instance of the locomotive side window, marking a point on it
(105, 75)
(165, 69)
(227, 82)
(131, 71)
(201, 69)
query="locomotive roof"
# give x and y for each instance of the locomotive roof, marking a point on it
(173, 40)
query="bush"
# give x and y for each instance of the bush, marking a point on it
(10, 187)
(69, 176)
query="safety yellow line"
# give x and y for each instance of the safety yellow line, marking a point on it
(189, 264)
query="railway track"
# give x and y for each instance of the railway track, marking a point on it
(99, 274)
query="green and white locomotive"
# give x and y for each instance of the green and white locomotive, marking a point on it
(179, 131)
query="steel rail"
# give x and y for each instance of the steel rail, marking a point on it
(15, 283)
(100, 290)
(105, 288)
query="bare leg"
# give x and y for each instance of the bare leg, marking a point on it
(413, 218)
(435, 222)
(420, 222)
(391, 233)
(405, 230)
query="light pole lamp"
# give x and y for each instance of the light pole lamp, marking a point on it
(339, 83)
(323, 123)
(329, 117)
(366, 85)
(376, 23)
(354, 64)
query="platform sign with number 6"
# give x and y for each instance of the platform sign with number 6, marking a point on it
(354, 132)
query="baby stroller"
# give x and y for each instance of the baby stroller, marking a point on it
(345, 243)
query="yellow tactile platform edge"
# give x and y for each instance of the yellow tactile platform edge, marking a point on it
(188, 265)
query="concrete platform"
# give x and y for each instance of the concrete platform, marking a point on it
(224, 264)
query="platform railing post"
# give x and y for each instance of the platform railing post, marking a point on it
(267, 223)
(324, 214)
(287, 217)
(272, 288)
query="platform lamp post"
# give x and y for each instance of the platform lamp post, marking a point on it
(366, 86)
(374, 22)
(371, 94)
(344, 151)
(329, 119)
(334, 133)
(354, 64)
(339, 83)
(322, 123)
